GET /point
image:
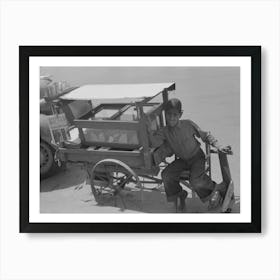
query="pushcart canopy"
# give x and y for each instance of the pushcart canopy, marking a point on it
(134, 92)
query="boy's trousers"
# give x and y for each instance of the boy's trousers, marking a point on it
(199, 180)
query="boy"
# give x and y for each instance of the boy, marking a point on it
(179, 138)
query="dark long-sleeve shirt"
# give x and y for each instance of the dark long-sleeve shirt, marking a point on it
(181, 138)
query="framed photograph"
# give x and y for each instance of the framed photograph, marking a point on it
(140, 138)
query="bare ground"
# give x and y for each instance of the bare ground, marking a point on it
(68, 191)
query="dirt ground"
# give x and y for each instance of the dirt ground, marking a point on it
(68, 191)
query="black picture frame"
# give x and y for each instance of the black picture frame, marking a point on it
(254, 52)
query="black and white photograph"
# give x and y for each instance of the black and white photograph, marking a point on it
(141, 138)
(143, 142)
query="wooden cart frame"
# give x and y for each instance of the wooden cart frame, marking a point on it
(112, 165)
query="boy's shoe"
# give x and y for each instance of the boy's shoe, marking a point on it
(182, 197)
(215, 200)
(217, 196)
(222, 188)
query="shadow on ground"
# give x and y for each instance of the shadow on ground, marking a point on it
(69, 192)
(70, 177)
(152, 201)
(66, 198)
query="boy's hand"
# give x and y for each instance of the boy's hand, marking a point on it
(224, 149)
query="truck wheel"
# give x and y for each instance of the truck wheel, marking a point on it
(47, 163)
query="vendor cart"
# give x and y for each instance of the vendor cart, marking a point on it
(111, 140)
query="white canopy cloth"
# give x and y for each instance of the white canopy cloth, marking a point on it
(116, 91)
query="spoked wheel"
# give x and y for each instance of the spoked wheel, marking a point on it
(111, 178)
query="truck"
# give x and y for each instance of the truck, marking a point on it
(49, 112)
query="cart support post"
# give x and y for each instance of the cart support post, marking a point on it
(165, 96)
(143, 135)
(208, 159)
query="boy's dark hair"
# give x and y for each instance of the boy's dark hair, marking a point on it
(173, 103)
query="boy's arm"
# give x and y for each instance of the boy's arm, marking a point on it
(207, 137)
(162, 152)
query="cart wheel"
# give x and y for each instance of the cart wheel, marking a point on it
(47, 163)
(109, 177)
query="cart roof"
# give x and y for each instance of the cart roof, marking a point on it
(135, 92)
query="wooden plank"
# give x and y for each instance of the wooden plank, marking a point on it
(224, 167)
(122, 110)
(112, 145)
(165, 97)
(208, 159)
(229, 196)
(49, 99)
(81, 135)
(161, 120)
(147, 99)
(132, 159)
(68, 113)
(101, 107)
(113, 105)
(134, 153)
(107, 124)
(144, 140)
(120, 106)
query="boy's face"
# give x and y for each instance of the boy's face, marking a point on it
(172, 117)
